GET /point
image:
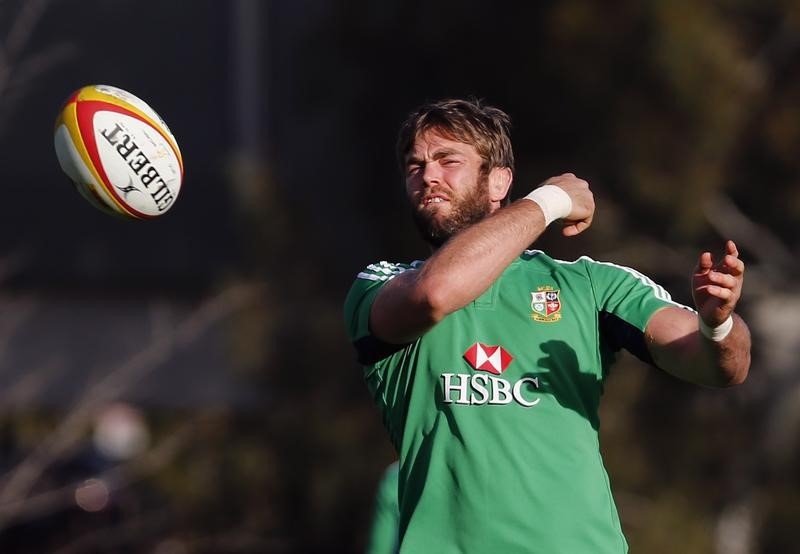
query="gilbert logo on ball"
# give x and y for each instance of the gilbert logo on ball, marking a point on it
(120, 154)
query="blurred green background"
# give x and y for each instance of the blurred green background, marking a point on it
(185, 384)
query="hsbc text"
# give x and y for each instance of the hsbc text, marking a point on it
(460, 388)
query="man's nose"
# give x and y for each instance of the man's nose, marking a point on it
(432, 173)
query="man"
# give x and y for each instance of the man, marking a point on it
(487, 361)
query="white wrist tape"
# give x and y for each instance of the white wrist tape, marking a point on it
(716, 333)
(554, 202)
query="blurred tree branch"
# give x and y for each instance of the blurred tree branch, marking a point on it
(116, 478)
(776, 260)
(18, 482)
(18, 69)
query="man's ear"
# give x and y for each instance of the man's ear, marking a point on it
(499, 183)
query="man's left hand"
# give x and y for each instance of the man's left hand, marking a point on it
(716, 288)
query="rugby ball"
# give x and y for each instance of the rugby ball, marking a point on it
(118, 152)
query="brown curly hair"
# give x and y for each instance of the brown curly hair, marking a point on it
(470, 121)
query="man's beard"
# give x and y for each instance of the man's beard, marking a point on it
(464, 212)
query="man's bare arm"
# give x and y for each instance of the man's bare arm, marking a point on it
(673, 334)
(467, 264)
(678, 347)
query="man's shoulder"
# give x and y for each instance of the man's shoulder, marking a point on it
(371, 279)
(540, 259)
(605, 276)
(383, 270)
(582, 264)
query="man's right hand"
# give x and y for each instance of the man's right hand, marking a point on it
(580, 218)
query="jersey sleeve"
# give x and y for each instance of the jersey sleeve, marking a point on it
(626, 300)
(357, 307)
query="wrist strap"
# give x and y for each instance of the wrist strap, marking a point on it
(554, 202)
(716, 333)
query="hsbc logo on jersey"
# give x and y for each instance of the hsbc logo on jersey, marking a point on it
(480, 388)
(494, 359)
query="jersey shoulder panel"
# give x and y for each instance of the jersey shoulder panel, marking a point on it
(363, 291)
(540, 260)
(626, 292)
(383, 270)
(617, 289)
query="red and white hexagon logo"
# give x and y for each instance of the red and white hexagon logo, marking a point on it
(494, 359)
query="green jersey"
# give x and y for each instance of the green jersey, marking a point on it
(494, 411)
